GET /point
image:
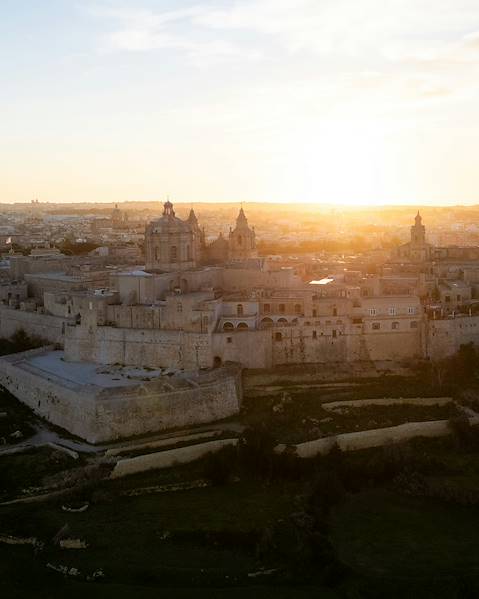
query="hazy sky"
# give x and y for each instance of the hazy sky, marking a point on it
(263, 100)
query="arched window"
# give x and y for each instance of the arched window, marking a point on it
(239, 310)
(242, 326)
(188, 252)
(282, 322)
(173, 253)
(266, 323)
(228, 326)
(240, 240)
(297, 309)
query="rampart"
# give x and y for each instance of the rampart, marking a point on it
(49, 328)
(101, 414)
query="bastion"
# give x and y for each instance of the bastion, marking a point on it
(106, 403)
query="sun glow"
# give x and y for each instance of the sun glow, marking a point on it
(340, 161)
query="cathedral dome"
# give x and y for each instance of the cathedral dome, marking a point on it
(170, 243)
(169, 222)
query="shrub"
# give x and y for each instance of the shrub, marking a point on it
(218, 467)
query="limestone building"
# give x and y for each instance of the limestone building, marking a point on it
(242, 239)
(171, 244)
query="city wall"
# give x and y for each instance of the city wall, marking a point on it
(138, 347)
(49, 328)
(446, 336)
(298, 346)
(101, 415)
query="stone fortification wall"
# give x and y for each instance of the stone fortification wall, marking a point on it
(299, 345)
(391, 345)
(147, 412)
(252, 349)
(64, 404)
(169, 458)
(50, 328)
(446, 336)
(100, 415)
(138, 347)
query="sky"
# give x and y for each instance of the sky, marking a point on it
(322, 101)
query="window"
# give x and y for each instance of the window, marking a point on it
(173, 253)
(372, 311)
(188, 252)
(179, 307)
(239, 310)
(228, 326)
(278, 337)
(267, 308)
(447, 298)
(392, 311)
(240, 240)
(157, 253)
(315, 335)
(459, 298)
(315, 312)
(242, 326)
(411, 310)
(334, 333)
(229, 339)
(282, 321)
(297, 309)
(395, 326)
(335, 311)
(282, 308)
(266, 323)
(414, 324)
(376, 326)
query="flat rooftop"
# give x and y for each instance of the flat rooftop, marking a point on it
(51, 365)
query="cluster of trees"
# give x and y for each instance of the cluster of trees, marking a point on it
(452, 373)
(301, 542)
(19, 342)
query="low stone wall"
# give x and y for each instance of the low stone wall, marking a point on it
(107, 414)
(169, 458)
(386, 401)
(371, 438)
(161, 443)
